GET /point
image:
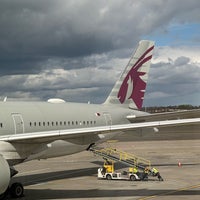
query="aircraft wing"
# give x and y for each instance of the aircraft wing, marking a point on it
(48, 136)
(186, 114)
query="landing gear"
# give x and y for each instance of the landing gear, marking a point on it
(16, 190)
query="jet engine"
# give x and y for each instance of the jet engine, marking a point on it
(4, 175)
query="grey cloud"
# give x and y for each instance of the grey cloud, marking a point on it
(181, 61)
(91, 39)
(173, 82)
(33, 32)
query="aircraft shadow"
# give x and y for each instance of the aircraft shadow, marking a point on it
(101, 193)
(32, 194)
(32, 179)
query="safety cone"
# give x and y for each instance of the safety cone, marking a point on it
(179, 164)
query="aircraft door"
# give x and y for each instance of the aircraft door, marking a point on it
(108, 118)
(18, 123)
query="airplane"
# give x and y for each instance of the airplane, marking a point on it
(41, 130)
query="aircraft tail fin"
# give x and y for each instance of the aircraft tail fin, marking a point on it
(129, 90)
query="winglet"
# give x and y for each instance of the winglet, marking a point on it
(129, 90)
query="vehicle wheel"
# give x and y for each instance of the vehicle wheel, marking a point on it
(108, 177)
(16, 190)
(132, 178)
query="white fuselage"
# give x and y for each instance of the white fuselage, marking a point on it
(29, 117)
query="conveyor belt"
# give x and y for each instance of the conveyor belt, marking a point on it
(123, 157)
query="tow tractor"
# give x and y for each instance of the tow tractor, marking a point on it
(107, 172)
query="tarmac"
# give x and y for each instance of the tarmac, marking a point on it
(75, 176)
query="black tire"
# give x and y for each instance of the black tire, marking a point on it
(132, 178)
(108, 177)
(16, 190)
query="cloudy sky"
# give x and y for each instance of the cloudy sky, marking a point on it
(77, 49)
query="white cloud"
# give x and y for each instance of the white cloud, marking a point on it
(167, 53)
(174, 76)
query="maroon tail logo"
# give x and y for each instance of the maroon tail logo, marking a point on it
(133, 87)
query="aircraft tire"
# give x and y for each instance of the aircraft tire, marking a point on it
(16, 190)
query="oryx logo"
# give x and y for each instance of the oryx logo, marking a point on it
(133, 86)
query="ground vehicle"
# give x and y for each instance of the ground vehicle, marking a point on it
(107, 172)
(117, 175)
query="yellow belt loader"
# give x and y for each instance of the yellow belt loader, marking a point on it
(108, 172)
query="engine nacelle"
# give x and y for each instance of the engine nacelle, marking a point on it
(4, 174)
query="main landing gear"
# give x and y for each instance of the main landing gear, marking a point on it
(15, 190)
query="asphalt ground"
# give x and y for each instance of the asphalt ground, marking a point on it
(75, 176)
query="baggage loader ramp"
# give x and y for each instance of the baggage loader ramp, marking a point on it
(128, 159)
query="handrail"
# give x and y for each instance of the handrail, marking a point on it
(128, 158)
